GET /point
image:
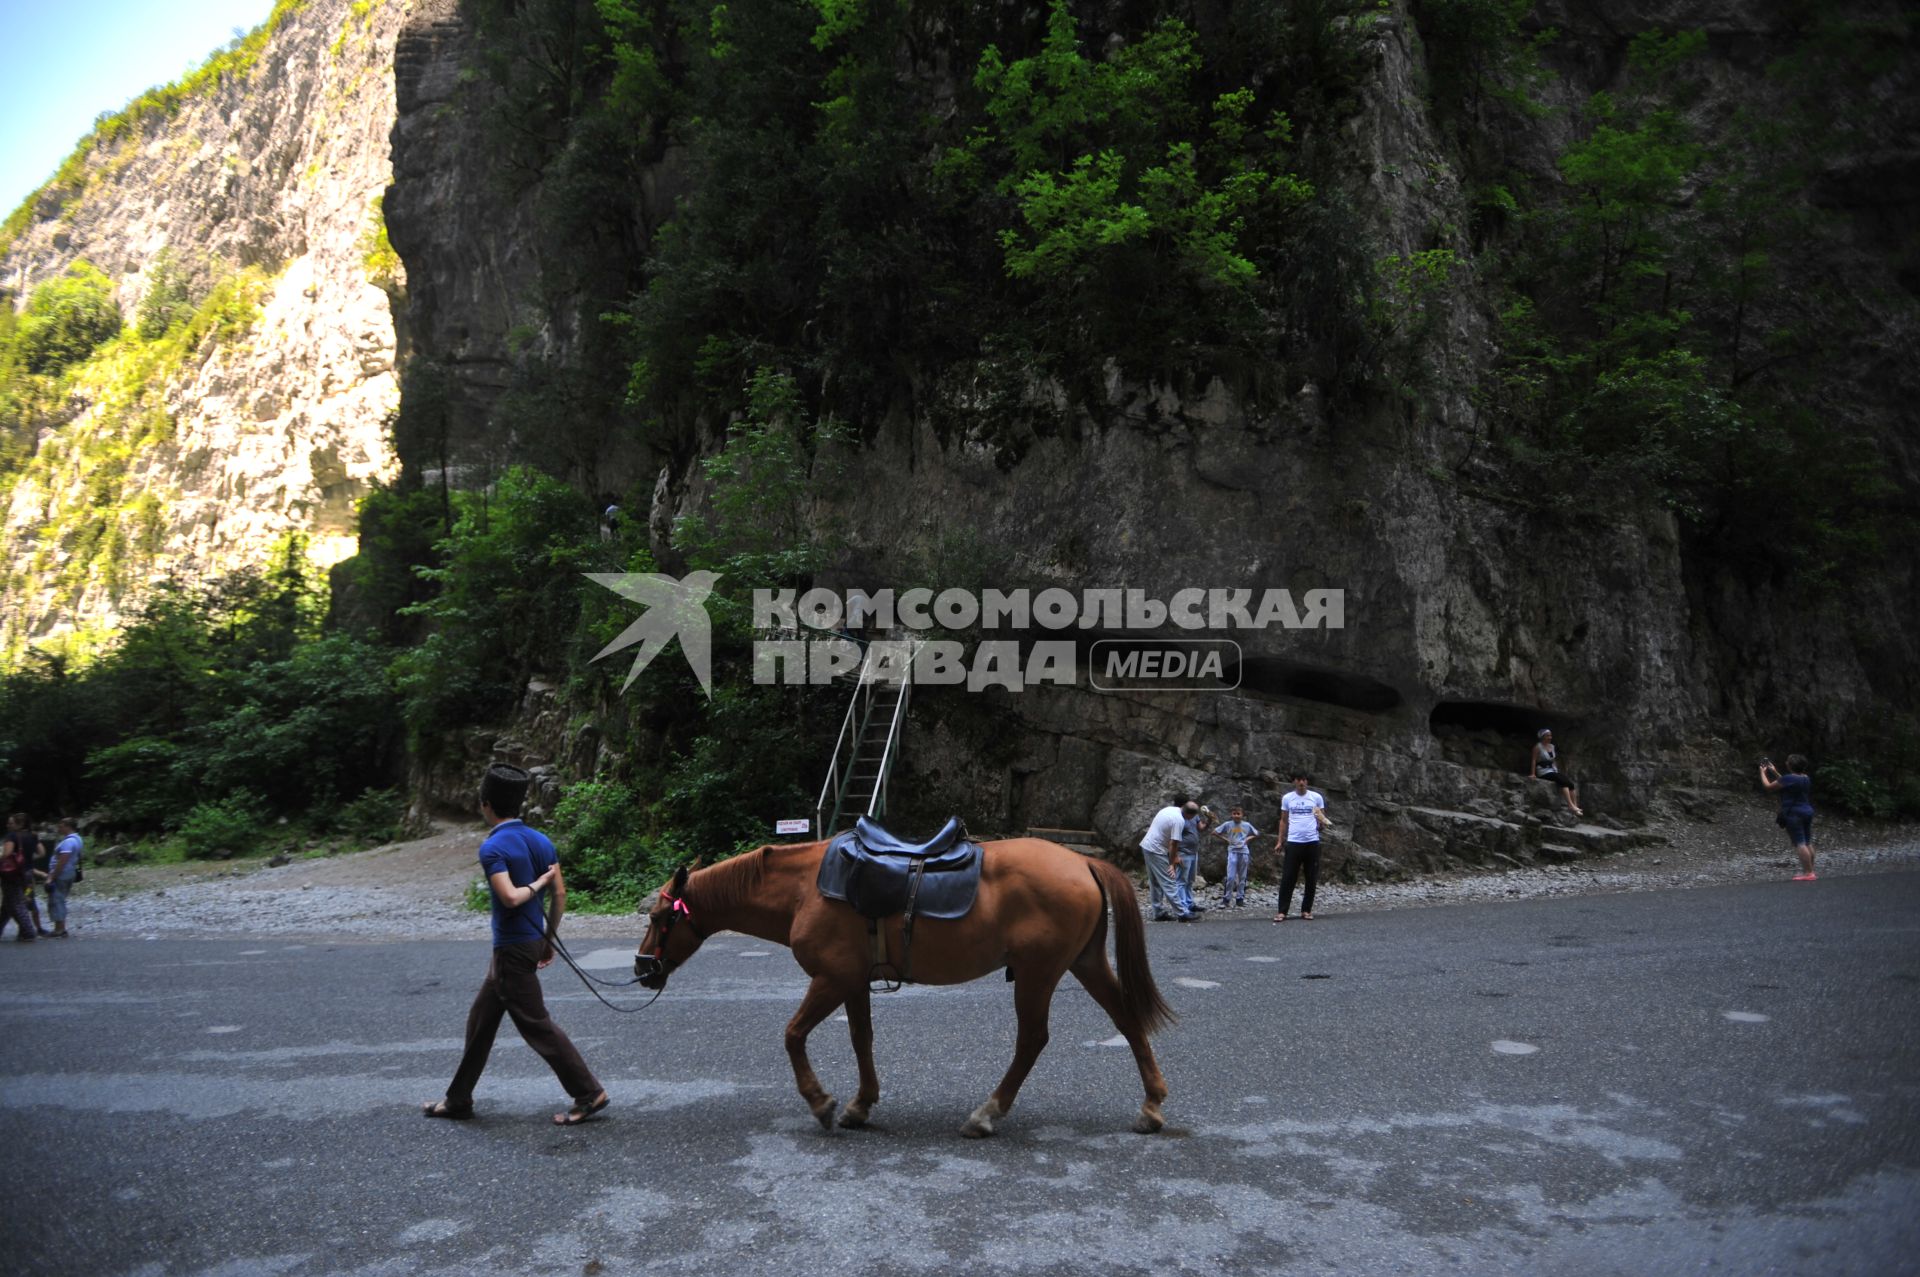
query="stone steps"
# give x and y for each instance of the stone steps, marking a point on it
(1421, 832)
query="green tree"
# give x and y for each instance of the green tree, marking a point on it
(1114, 166)
(506, 596)
(67, 318)
(167, 302)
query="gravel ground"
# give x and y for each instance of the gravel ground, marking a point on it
(418, 888)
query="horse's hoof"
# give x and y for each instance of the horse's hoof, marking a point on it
(824, 1114)
(854, 1117)
(1148, 1123)
(980, 1122)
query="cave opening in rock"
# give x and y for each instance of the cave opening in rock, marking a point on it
(1277, 676)
(1492, 734)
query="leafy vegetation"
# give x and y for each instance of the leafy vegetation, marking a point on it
(213, 691)
(377, 255)
(504, 598)
(67, 349)
(1632, 343)
(979, 216)
(66, 319)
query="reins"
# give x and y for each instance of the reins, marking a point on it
(679, 909)
(591, 980)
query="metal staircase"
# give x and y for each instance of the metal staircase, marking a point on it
(868, 746)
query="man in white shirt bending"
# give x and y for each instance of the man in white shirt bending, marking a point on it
(1161, 850)
(1306, 815)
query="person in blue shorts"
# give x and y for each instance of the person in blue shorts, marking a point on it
(519, 864)
(1796, 808)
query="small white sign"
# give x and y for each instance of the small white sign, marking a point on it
(801, 826)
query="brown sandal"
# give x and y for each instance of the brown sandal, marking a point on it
(580, 1112)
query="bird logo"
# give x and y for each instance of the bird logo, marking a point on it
(674, 609)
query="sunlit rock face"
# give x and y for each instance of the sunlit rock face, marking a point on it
(205, 460)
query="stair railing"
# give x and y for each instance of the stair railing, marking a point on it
(845, 759)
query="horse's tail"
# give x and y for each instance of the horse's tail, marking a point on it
(1137, 989)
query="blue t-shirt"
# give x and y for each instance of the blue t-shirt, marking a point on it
(70, 847)
(523, 854)
(1237, 832)
(1796, 794)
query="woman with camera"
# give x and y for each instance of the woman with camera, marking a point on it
(1796, 807)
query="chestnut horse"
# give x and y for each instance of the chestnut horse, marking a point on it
(1041, 912)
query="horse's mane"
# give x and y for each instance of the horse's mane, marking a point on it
(734, 881)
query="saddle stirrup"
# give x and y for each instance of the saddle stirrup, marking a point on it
(882, 975)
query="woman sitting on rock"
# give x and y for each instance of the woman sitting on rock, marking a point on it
(1546, 767)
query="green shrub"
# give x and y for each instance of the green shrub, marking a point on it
(137, 778)
(67, 318)
(1853, 786)
(234, 824)
(377, 255)
(374, 817)
(510, 586)
(611, 863)
(167, 301)
(303, 732)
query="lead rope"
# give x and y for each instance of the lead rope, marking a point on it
(591, 980)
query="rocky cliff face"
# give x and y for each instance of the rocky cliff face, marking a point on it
(198, 458)
(1471, 618)
(501, 277)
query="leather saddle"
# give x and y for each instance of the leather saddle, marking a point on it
(881, 875)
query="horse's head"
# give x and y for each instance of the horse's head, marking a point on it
(672, 936)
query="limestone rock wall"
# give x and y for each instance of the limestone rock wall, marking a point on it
(275, 430)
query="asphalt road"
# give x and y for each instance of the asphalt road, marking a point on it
(1723, 1080)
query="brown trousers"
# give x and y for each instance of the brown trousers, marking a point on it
(512, 988)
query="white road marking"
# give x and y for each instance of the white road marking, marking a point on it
(756, 953)
(606, 960)
(1118, 1039)
(251, 953)
(1262, 957)
(224, 1028)
(1188, 982)
(1505, 1047)
(1746, 1017)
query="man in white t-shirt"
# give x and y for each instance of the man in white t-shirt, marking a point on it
(1305, 812)
(1162, 851)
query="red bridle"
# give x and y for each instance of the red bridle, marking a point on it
(657, 964)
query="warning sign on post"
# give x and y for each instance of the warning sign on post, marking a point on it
(800, 826)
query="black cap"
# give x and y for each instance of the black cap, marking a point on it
(504, 789)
